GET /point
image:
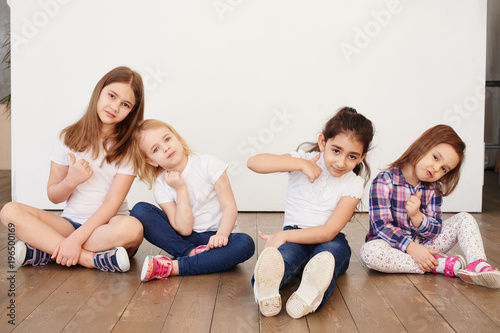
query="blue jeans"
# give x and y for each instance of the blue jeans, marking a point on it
(159, 232)
(296, 256)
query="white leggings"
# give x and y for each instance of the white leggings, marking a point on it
(462, 228)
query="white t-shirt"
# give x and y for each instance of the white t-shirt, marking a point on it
(200, 174)
(309, 205)
(89, 196)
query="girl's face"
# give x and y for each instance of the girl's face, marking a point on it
(436, 163)
(115, 102)
(162, 148)
(342, 153)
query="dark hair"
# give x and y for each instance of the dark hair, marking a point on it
(348, 121)
(429, 139)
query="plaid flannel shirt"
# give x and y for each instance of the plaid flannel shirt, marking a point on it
(388, 217)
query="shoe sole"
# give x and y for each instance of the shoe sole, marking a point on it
(122, 259)
(147, 268)
(316, 278)
(268, 274)
(20, 252)
(486, 279)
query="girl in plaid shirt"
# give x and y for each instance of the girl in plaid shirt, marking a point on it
(406, 232)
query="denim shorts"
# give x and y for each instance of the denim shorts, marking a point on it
(74, 224)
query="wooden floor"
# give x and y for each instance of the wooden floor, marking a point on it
(53, 298)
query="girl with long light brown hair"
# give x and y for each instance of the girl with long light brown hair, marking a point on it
(91, 170)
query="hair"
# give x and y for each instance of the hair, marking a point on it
(429, 139)
(145, 171)
(85, 134)
(348, 121)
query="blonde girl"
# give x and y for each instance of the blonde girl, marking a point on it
(196, 221)
(407, 234)
(91, 171)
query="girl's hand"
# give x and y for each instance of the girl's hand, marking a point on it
(67, 253)
(423, 256)
(311, 169)
(217, 241)
(275, 240)
(174, 179)
(79, 171)
(413, 204)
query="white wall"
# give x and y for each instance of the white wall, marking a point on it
(240, 77)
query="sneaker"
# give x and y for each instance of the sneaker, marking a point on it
(114, 260)
(156, 267)
(451, 265)
(316, 278)
(26, 254)
(486, 276)
(268, 274)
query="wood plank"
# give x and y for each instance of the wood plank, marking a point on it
(194, 304)
(462, 314)
(29, 295)
(368, 307)
(333, 316)
(56, 311)
(235, 308)
(150, 305)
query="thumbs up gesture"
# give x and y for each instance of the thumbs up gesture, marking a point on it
(311, 169)
(78, 171)
(413, 204)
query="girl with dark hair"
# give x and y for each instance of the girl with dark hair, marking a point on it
(92, 171)
(324, 188)
(407, 234)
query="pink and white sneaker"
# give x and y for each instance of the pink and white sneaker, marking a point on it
(484, 275)
(156, 267)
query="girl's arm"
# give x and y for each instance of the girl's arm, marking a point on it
(68, 251)
(320, 234)
(63, 179)
(269, 163)
(180, 213)
(229, 212)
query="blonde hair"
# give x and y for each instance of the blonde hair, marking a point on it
(85, 134)
(145, 171)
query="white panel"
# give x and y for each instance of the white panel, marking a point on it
(241, 77)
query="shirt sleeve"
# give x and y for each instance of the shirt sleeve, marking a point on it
(59, 153)
(126, 168)
(381, 219)
(214, 167)
(355, 188)
(431, 224)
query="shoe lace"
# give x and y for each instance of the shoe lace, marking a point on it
(164, 267)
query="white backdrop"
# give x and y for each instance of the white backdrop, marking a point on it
(240, 77)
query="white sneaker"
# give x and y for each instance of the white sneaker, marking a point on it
(316, 278)
(268, 274)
